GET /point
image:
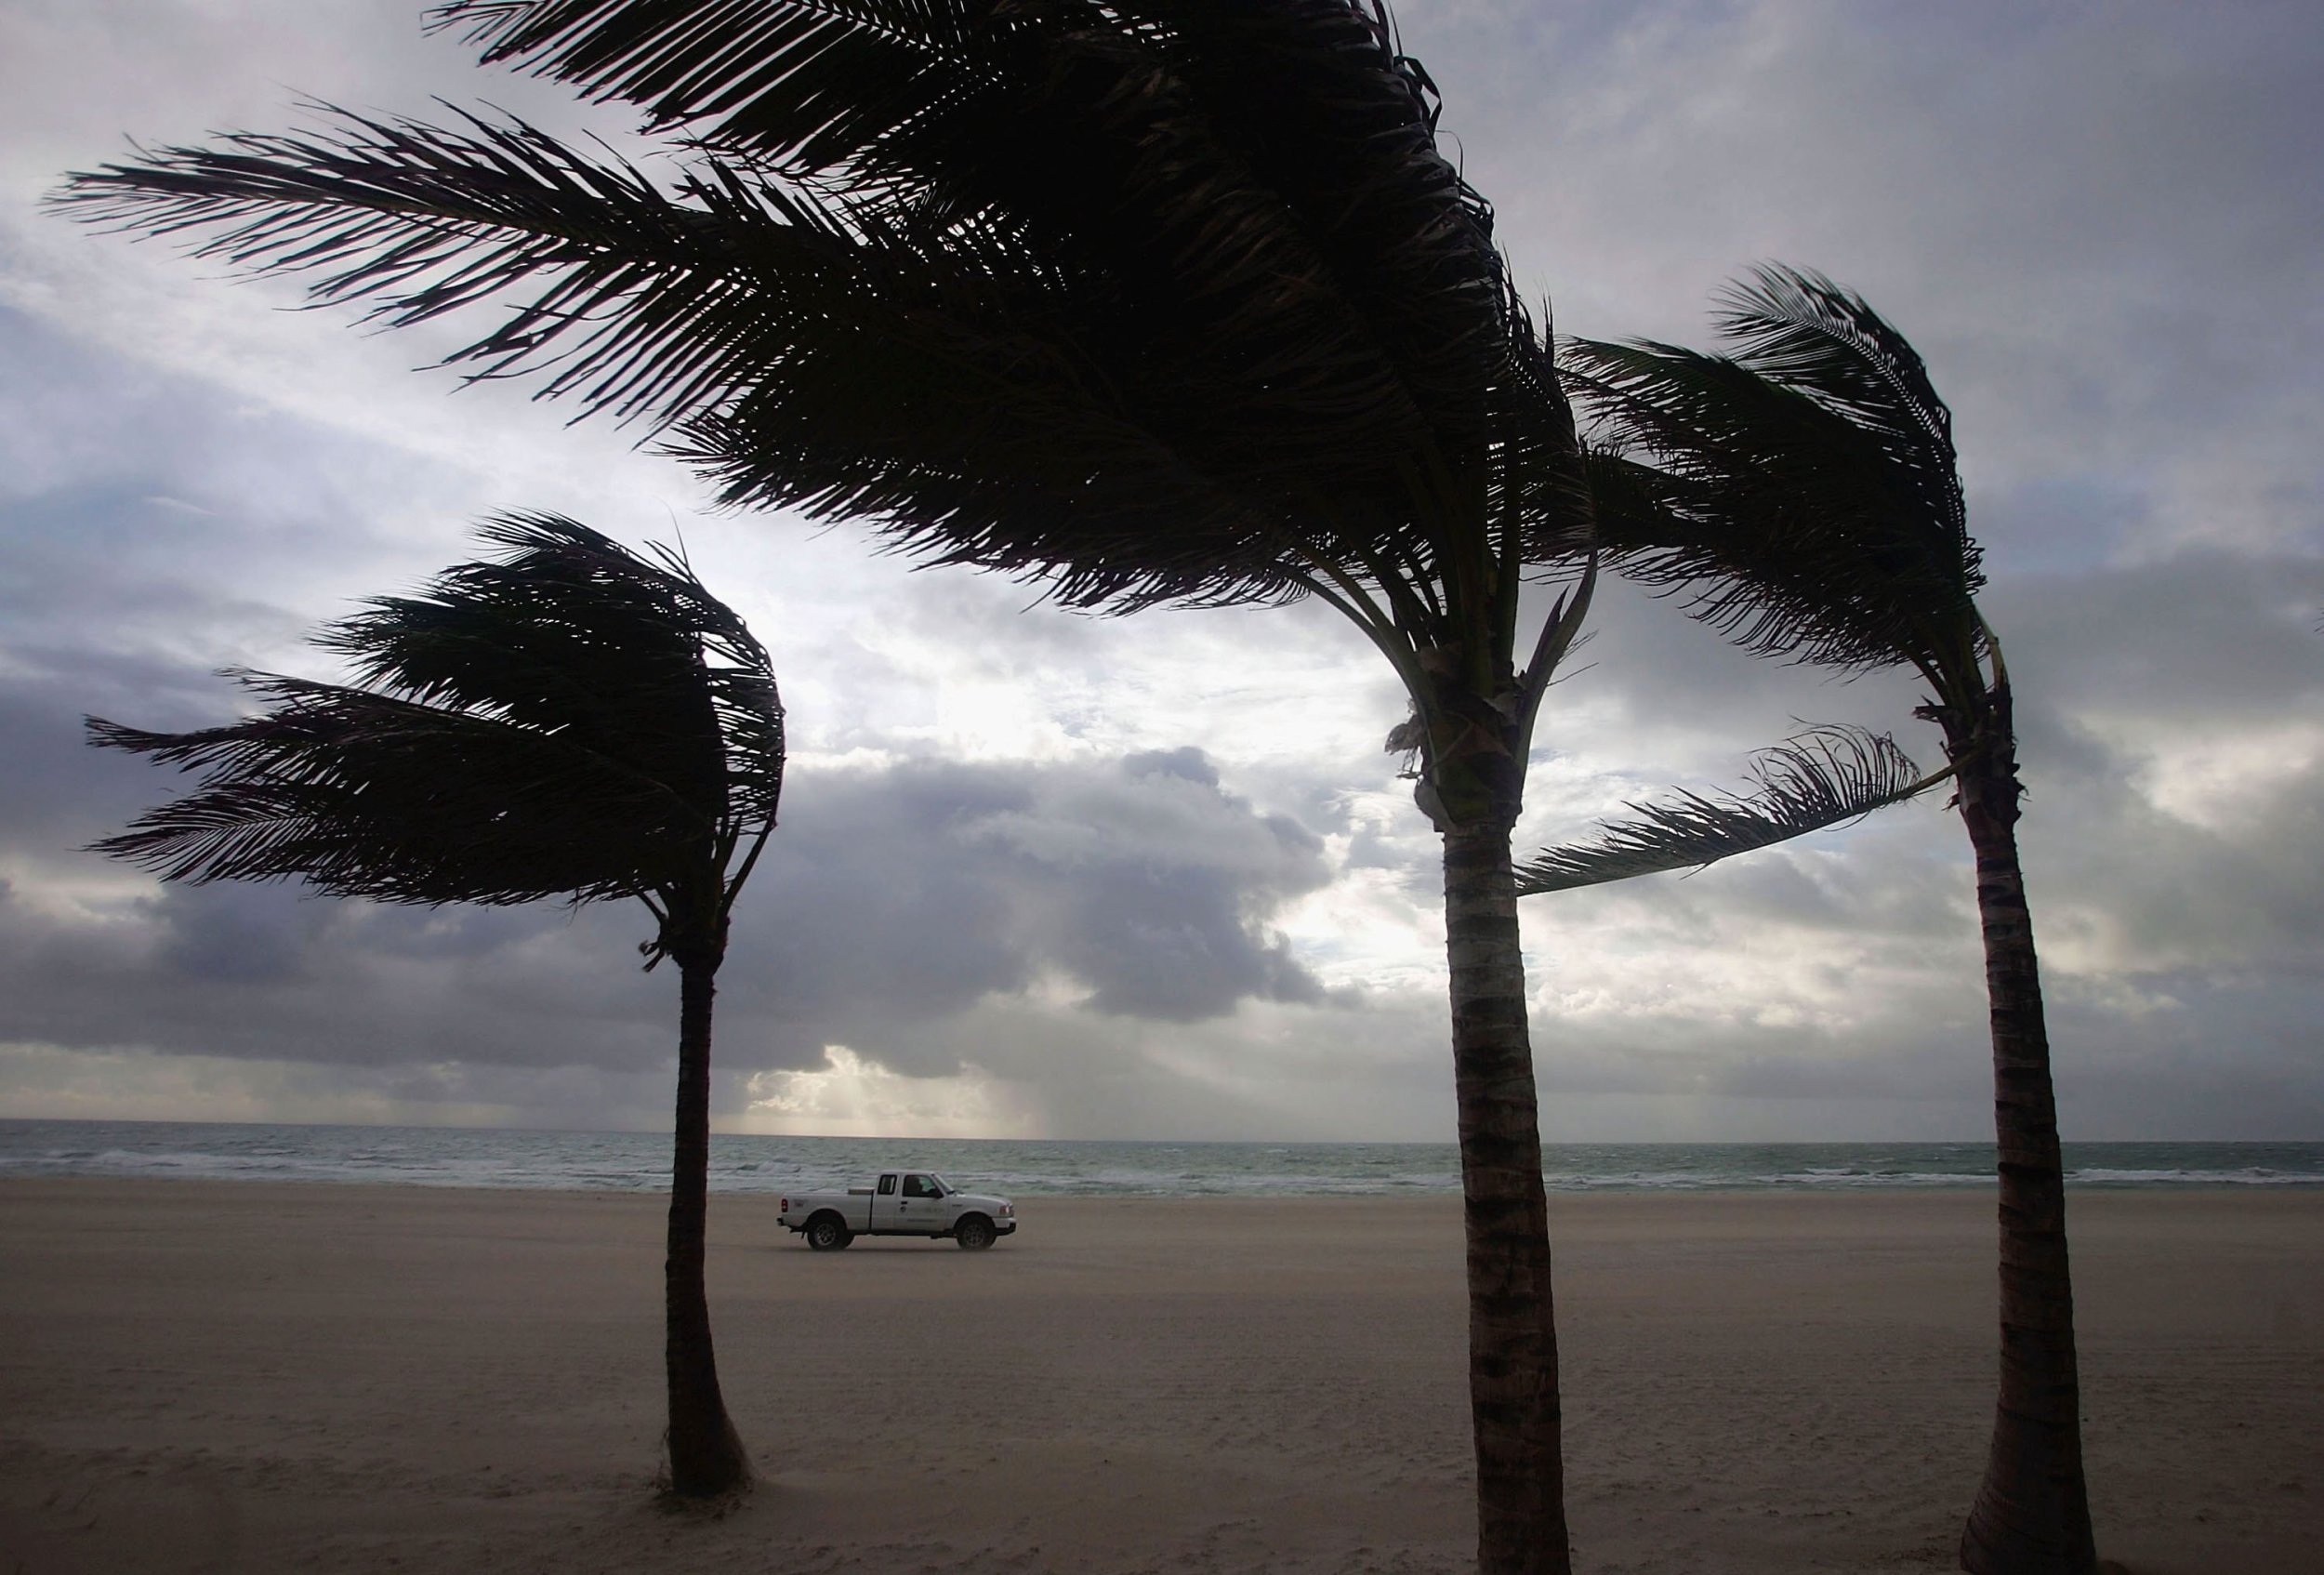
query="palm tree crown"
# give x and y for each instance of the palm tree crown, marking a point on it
(570, 721)
(1806, 489)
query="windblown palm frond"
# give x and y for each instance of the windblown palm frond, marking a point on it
(1156, 304)
(1805, 490)
(366, 796)
(1260, 149)
(570, 721)
(651, 299)
(1821, 778)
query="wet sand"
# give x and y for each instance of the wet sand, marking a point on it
(256, 1377)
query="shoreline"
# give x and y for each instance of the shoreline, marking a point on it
(203, 1374)
(744, 1163)
(1975, 1188)
(1979, 1189)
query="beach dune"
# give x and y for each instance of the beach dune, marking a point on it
(247, 1376)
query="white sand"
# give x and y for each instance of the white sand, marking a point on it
(214, 1377)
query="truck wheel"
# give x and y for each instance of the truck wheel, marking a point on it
(827, 1232)
(975, 1233)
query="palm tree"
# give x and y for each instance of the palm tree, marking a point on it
(1805, 491)
(1153, 302)
(570, 721)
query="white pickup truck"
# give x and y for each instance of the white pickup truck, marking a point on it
(900, 1203)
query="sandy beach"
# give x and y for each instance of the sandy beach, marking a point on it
(254, 1377)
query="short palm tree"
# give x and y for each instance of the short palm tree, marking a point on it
(1806, 491)
(1154, 302)
(569, 720)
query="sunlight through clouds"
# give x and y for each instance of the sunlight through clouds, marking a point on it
(851, 1095)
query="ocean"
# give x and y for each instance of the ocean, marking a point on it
(639, 1162)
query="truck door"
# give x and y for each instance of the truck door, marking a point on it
(920, 1210)
(884, 1204)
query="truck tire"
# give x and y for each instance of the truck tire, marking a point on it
(975, 1233)
(828, 1233)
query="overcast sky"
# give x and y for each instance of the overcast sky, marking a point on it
(1041, 875)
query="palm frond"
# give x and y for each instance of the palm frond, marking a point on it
(1821, 778)
(362, 795)
(1055, 117)
(648, 301)
(818, 83)
(571, 720)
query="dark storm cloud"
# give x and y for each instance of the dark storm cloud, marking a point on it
(49, 794)
(899, 896)
(889, 897)
(267, 972)
(2198, 636)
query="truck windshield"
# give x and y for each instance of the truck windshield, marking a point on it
(938, 1186)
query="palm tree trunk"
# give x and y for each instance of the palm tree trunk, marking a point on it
(2032, 1512)
(1513, 1330)
(706, 1455)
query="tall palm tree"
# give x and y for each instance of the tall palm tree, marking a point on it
(1806, 493)
(570, 721)
(1155, 302)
